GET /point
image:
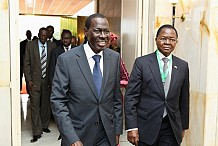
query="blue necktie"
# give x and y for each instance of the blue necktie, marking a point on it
(97, 73)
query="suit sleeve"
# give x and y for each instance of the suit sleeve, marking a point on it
(52, 64)
(27, 63)
(118, 108)
(184, 101)
(59, 102)
(132, 96)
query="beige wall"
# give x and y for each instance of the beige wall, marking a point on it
(5, 105)
(9, 75)
(137, 29)
(198, 44)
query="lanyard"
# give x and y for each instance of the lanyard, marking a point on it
(163, 75)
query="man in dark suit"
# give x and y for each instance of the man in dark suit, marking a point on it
(51, 38)
(22, 52)
(66, 37)
(88, 113)
(157, 96)
(36, 60)
(74, 40)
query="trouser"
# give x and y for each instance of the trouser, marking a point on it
(101, 138)
(165, 137)
(40, 108)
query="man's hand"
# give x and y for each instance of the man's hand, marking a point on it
(78, 143)
(133, 137)
(31, 85)
(117, 139)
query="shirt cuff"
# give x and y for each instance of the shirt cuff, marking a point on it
(132, 129)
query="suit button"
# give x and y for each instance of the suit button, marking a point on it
(96, 123)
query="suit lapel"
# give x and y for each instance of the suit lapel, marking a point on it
(85, 69)
(36, 53)
(154, 66)
(106, 68)
(48, 53)
(61, 50)
(174, 74)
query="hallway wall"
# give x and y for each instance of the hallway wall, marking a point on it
(112, 10)
(9, 75)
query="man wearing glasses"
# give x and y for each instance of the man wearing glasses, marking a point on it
(157, 97)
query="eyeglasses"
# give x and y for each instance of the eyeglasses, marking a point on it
(170, 40)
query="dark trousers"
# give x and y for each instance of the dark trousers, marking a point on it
(40, 108)
(101, 138)
(165, 137)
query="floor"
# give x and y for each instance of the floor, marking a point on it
(48, 139)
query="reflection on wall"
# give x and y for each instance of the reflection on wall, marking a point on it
(112, 10)
(80, 28)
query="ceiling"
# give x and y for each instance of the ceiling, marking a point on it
(51, 7)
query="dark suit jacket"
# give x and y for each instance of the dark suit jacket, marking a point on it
(22, 52)
(75, 103)
(57, 42)
(54, 56)
(32, 64)
(145, 99)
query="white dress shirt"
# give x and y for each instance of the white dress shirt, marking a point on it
(89, 53)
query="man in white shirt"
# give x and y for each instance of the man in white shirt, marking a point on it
(86, 98)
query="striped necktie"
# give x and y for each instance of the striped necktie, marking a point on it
(43, 62)
(166, 83)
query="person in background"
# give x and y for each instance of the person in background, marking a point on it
(86, 99)
(51, 37)
(66, 37)
(113, 43)
(35, 38)
(22, 52)
(36, 60)
(124, 75)
(74, 40)
(157, 96)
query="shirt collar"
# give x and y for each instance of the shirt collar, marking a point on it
(89, 52)
(162, 56)
(69, 47)
(51, 39)
(40, 44)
